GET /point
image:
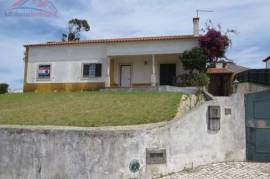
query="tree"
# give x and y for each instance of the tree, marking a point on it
(215, 42)
(195, 59)
(75, 26)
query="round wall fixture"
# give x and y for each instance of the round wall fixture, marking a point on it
(134, 166)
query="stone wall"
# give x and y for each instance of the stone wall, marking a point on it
(248, 87)
(106, 153)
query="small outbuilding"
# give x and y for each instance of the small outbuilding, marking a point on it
(267, 62)
(220, 81)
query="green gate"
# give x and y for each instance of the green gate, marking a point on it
(258, 126)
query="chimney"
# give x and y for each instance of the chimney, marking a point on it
(196, 26)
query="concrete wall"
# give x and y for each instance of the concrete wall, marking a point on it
(248, 87)
(268, 64)
(105, 153)
(66, 61)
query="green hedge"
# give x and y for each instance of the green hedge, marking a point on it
(3, 88)
(195, 79)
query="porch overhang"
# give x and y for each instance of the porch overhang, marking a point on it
(144, 69)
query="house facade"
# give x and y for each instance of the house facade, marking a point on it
(95, 64)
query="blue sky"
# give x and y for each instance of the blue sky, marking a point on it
(125, 18)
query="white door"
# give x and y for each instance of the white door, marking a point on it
(125, 75)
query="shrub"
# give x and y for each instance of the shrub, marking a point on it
(3, 88)
(184, 80)
(200, 80)
(195, 79)
(194, 60)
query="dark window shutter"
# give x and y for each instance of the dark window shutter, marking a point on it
(98, 70)
(85, 70)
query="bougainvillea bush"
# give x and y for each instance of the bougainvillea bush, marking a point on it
(214, 44)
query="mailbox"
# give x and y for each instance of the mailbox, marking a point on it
(214, 118)
(156, 156)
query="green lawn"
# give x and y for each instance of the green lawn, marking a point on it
(88, 108)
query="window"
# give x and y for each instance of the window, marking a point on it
(44, 71)
(91, 70)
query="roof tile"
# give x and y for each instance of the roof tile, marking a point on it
(116, 40)
(218, 71)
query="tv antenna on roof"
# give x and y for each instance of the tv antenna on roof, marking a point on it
(202, 10)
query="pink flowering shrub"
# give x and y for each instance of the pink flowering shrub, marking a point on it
(214, 44)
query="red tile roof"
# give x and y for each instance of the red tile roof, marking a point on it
(117, 40)
(265, 60)
(218, 71)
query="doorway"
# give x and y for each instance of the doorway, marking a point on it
(167, 74)
(125, 76)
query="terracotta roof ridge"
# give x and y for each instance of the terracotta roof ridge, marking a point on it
(218, 71)
(117, 40)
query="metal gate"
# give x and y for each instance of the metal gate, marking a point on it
(258, 126)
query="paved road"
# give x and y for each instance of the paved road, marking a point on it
(233, 170)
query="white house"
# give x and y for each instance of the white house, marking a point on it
(267, 62)
(95, 64)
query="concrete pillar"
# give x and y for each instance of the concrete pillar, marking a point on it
(108, 82)
(153, 76)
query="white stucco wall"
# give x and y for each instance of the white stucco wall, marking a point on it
(66, 61)
(65, 71)
(268, 64)
(106, 153)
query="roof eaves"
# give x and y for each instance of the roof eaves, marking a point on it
(117, 40)
(219, 71)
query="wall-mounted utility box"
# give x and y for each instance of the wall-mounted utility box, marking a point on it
(214, 118)
(156, 156)
(214, 112)
(228, 111)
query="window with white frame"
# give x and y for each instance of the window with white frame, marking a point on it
(92, 70)
(44, 72)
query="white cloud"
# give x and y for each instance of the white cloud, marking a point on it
(251, 57)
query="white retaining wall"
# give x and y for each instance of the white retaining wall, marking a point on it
(105, 153)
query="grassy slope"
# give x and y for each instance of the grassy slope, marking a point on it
(88, 108)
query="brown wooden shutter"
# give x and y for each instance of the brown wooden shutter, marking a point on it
(98, 70)
(86, 70)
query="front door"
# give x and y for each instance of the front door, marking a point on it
(167, 74)
(258, 126)
(125, 75)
